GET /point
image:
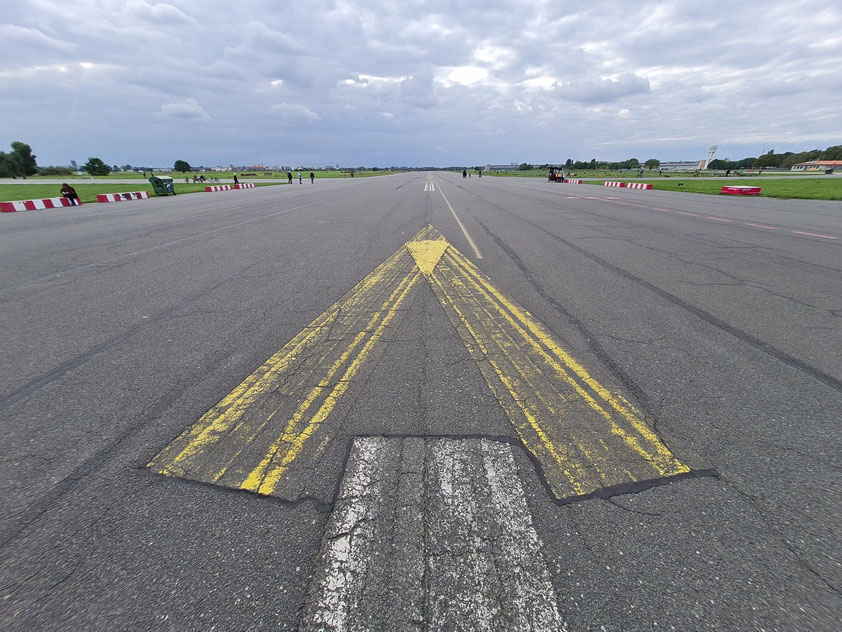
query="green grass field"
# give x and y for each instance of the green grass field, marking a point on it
(801, 189)
(88, 192)
(223, 175)
(631, 175)
(88, 188)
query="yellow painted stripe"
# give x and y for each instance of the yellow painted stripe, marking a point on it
(265, 476)
(647, 445)
(546, 393)
(259, 437)
(229, 444)
(226, 417)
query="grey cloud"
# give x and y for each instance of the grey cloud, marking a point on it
(188, 109)
(418, 90)
(162, 14)
(594, 91)
(710, 76)
(26, 42)
(294, 113)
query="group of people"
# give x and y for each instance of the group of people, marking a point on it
(289, 177)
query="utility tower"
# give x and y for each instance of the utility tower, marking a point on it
(711, 152)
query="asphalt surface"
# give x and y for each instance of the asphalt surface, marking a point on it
(718, 319)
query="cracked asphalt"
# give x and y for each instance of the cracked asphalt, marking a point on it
(122, 324)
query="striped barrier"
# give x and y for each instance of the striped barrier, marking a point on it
(568, 181)
(33, 205)
(740, 190)
(218, 187)
(244, 185)
(119, 197)
(638, 185)
(614, 184)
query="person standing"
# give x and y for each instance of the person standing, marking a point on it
(312, 177)
(236, 181)
(70, 193)
(299, 177)
(289, 177)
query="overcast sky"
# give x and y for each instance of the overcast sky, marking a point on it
(417, 83)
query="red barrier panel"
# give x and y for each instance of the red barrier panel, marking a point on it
(33, 205)
(740, 190)
(119, 197)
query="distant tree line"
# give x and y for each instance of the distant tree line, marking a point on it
(784, 160)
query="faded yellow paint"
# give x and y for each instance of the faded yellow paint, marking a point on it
(584, 436)
(427, 253)
(264, 477)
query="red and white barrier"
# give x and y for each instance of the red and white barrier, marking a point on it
(569, 181)
(629, 185)
(33, 205)
(740, 190)
(244, 185)
(218, 187)
(119, 197)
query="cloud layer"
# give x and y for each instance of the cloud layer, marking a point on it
(416, 83)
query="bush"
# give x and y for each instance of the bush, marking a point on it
(55, 171)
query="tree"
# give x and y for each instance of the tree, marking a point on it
(769, 160)
(832, 153)
(652, 163)
(182, 166)
(524, 166)
(8, 168)
(96, 167)
(20, 162)
(718, 164)
(22, 154)
(803, 156)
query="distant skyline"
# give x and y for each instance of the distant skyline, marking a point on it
(417, 83)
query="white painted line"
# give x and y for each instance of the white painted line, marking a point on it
(799, 232)
(431, 534)
(462, 226)
(760, 226)
(483, 544)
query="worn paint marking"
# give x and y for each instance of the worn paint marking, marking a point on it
(433, 534)
(260, 437)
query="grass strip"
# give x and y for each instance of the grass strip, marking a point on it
(789, 189)
(88, 192)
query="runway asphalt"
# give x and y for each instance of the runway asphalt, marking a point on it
(420, 401)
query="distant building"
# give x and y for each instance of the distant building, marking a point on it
(501, 167)
(817, 165)
(682, 166)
